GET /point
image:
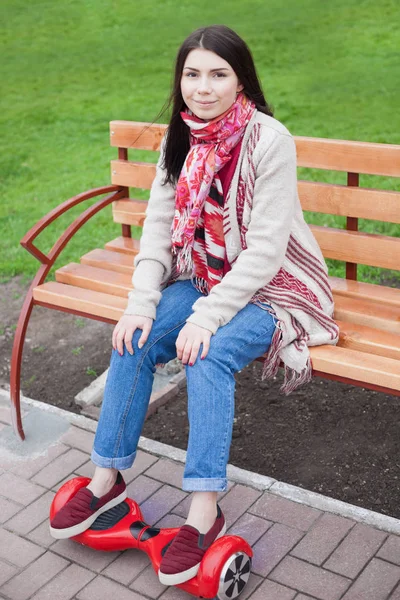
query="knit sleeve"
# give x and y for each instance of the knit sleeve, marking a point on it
(274, 202)
(154, 260)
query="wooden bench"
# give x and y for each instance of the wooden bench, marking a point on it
(368, 352)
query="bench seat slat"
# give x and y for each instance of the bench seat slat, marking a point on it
(360, 366)
(106, 259)
(367, 312)
(124, 245)
(80, 299)
(352, 335)
(360, 290)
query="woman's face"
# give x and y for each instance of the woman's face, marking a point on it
(209, 85)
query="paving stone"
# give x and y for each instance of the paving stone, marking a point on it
(167, 471)
(253, 582)
(8, 509)
(28, 468)
(79, 438)
(310, 579)
(237, 501)
(41, 535)
(17, 489)
(66, 584)
(273, 546)
(127, 566)
(250, 527)
(142, 488)
(87, 470)
(32, 515)
(16, 550)
(183, 507)
(322, 538)
(174, 593)
(270, 590)
(59, 485)
(60, 468)
(303, 597)
(6, 572)
(375, 582)
(170, 520)
(160, 503)
(355, 550)
(396, 594)
(391, 550)
(143, 461)
(287, 512)
(26, 583)
(148, 583)
(102, 588)
(95, 560)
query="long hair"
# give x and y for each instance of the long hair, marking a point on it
(224, 42)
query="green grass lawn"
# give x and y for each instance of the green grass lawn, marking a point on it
(68, 68)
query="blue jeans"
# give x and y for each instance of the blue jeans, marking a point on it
(210, 387)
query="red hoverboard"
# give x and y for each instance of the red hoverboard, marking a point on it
(223, 572)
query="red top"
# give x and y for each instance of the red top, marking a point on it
(226, 175)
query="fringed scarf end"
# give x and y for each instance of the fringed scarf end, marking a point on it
(293, 379)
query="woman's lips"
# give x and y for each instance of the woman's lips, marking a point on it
(205, 103)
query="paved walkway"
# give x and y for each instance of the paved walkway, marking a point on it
(300, 552)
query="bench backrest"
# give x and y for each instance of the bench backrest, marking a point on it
(350, 201)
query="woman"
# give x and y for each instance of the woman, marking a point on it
(227, 271)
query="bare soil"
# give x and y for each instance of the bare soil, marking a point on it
(328, 437)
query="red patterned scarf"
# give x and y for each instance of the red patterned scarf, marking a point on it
(197, 231)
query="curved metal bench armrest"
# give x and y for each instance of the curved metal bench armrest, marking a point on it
(27, 240)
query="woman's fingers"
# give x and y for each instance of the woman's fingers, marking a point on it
(186, 352)
(194, 352)
(206, 347)
(145, 334)
(128, 340)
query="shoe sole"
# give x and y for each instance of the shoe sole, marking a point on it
(176, 578)
(61, 534)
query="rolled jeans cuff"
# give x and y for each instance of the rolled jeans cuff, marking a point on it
(204, 484)
(119, 462)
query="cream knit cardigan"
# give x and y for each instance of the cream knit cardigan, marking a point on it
(274, 257)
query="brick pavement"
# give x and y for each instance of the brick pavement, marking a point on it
(300, 552)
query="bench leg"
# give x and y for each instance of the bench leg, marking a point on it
(16, 359)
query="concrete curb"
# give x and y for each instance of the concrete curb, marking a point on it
(254, 480)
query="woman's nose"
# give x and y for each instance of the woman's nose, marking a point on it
(204, 86)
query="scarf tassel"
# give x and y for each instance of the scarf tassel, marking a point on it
(292, 378)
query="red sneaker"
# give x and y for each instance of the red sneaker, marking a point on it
(84, 508)
(183, 557)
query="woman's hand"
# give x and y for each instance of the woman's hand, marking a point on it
(189, 340)
(126, 327)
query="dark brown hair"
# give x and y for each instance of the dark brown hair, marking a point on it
(227, 44)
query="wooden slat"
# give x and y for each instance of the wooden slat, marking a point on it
(93, 278)
(369, 340)
(358, 247)
(367, 368)
(368, 313)
(79, 299)
(130, 134)
(359, 290)
(124, 245)
(132, 174)
(129, 212)
(350, 201)
(112, 261)
(353, 157)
